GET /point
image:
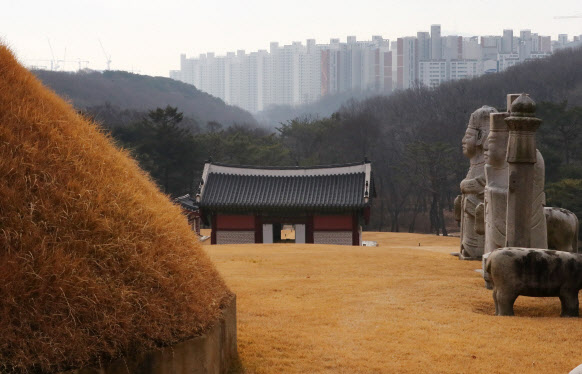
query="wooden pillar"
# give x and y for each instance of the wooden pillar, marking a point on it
(214, 229)
(258, 229)
(367, 213)
(355, 229)
(309, 230)
(197, 223)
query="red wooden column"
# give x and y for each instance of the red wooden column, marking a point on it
(355, 229)
(309, 230)
(214, 228)
(258, 229)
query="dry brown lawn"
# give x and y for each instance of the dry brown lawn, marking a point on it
(396, 308)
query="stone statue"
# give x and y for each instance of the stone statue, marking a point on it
(535, 272)
(497, 184)
(496, 175)
(562, 229)
(523, 267)
(526, 226)
(473, 186)
(539, 230)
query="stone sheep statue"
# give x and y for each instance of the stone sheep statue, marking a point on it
(562, 229)
(534, 272)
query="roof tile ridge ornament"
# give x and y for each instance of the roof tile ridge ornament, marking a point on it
(367, 193)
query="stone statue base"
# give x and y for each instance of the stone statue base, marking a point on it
(467, 258)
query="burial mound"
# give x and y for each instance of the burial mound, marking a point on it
(95, 262)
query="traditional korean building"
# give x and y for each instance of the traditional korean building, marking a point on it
(191, 210)
(325, 204)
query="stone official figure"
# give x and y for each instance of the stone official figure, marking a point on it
(496, 175)
(473, 186)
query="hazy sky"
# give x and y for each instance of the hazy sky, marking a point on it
(147, 37)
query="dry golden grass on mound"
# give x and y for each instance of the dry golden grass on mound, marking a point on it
(396, 308)
(94, 261)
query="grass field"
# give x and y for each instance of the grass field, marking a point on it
(395, 308)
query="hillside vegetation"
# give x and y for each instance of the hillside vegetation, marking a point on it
(126, 91)
(95, 262)
(273, 115)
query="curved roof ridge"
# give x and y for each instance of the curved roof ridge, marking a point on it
(211, 168)
(272, 167)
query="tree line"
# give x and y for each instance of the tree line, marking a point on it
(416, 169)
(413, 138)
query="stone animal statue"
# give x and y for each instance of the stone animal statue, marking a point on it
(534, 272)
(562, 229)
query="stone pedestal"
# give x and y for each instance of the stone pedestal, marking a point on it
(212, 353)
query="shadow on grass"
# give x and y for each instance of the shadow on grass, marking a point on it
(547, 308)
(237, 367)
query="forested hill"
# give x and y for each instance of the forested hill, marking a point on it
(128, 91)
(444, 110)
(554, 79)
(414, 136)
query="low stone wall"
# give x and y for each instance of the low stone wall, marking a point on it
(333, 237)
(235, 237)
(212, 353)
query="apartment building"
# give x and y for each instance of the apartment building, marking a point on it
(407, 63)
(298, 74)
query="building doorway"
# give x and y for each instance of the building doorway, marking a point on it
(283, 232)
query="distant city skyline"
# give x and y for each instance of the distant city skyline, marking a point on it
(298, 73)
(145, 36)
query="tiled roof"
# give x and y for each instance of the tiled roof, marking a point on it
(187, 202)
(331, 188)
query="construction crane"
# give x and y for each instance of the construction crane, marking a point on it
(107, 57)
(82, 62)
(32, 63)
(77, 61)
(54, 63)
(64, 60)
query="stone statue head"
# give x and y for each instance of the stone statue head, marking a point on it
(477, 132)
(495, 147)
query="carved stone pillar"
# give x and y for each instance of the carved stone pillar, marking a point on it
(521, 156)
(496, 175)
